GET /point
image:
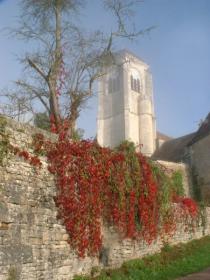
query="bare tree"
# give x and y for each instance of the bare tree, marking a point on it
(16, 105)
(61, 72)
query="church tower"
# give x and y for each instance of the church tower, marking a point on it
(125, 106)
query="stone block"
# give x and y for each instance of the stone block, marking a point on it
(4, 226)
(15, 254)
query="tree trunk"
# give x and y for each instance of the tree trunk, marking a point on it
(72, 123)
(54, 104)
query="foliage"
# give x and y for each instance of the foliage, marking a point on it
(12, 274)
(42, 121)
(37, 144)
(78, 134)
(6, 147)
(31, 159)
(196, 183)
(203, 216)
(170, 263)
(120, 187)
(171, 191)
(177, 183)
(117, 187)
(4, 140)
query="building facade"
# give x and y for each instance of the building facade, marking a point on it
(126, 107)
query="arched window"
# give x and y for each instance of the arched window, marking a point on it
(135, 82)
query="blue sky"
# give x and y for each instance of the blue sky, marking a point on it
(178, 52)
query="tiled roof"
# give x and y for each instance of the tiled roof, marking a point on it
(125, 51)
(174, 149)
(162, 136)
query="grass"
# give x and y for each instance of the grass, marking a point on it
(170, 263)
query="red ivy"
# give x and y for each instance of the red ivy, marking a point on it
(97, 184)
(33, 160)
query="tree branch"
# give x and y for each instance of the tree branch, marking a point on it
(35, 92)
(38, 70)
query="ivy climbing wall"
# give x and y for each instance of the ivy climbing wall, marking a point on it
(33, 242)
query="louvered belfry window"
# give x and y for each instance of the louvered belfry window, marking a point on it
(135, 84)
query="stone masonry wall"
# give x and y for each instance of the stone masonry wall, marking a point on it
(33, 243)
(32, 240)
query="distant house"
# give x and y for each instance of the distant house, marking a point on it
(173, 149)
(193, 149)
(161, 138)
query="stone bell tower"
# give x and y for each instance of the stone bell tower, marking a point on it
(125, 108)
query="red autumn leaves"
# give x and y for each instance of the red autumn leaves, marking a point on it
(116, 187)
(33, 160)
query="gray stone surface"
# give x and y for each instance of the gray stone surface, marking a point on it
(15, 254)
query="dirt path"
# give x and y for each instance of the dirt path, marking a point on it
(203, 275)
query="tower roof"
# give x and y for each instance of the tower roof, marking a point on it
(125, 52)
